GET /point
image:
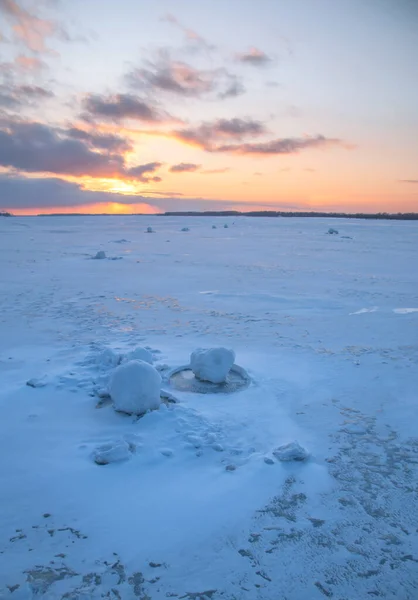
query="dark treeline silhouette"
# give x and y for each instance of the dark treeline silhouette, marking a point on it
(236, 213)
(274, 213)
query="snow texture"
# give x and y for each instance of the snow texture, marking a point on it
(291, 451)
(135, 387)
(212, 364)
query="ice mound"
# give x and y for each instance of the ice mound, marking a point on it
(292, 451)
(150, 230)
(213, 226)
(212, 364)
(226, 226)
(113, 452)
(100, 255)
(139, 354)
(109, 358)
(185, 229)
(135, 387)
(332, 231)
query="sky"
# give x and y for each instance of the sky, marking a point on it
(152, 106)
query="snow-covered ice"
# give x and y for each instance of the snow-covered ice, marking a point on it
(140, 354)
(290, 451)
(212, 364)
(135, 387)
(199, 506)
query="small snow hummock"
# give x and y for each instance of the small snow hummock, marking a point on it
(292, 451)
(226, 226)
(139, 354)
(213, 226)
(212, 364)
(150, 230)
(185, 229)
(37, 382)
(109, 358)
(135, 387)
(332, 231)
(100, 255)
(113, 452)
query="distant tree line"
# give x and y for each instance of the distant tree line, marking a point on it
(5, 214)
(274, 213)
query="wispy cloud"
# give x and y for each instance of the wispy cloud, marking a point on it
(279, 146)
(408, 180)
(140, 173)
(254, 57)
(104, 141)
(14, 96)
(178, 78)
(215, 171)
(121, 106)
(206, 134)
(27, 27)
(184, 168)
(190, 35)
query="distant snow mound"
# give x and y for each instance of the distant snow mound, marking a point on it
(112, 452)
(292, 451)
(213, 226)
(212, 364)
(185, 229)
(135, 387)
(226, 226)
(139, 354)
(332, 231)
(100, 255)
(109, 358)
(149, 230)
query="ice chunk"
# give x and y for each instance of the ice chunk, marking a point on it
(332, 231)
(135, 387)
(213, 226)
(292, 451)
(185, 229)
(37, 382)
(140, 354)
(212, 364)
(109, 358)
(226, 226)
(112, 452)
(100, 254)
(150, 230)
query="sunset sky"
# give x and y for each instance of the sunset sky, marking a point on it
(148, 106)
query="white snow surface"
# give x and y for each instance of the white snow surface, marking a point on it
(212, 364)
(202, 509)
(135, 387)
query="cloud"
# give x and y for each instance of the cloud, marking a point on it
(109, 142)
(184, 168)
(208, 133)
(140, 172)
(190, 35)
(17, 192)
(27, 28)
(254, 57)
(34, 147)
(120, 106)
(215, 171)
(278, 146)
(181, 79)
(408, 180)
(18, 95)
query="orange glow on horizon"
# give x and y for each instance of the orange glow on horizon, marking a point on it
(111, 208)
